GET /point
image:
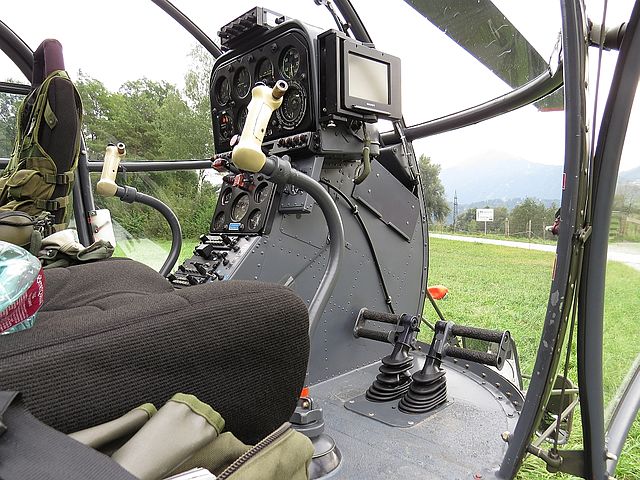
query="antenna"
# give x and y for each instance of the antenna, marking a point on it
(455, 209)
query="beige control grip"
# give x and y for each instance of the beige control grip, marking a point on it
(107, 186)
(247, 154)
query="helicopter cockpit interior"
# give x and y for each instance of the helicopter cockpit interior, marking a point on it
(314, 271)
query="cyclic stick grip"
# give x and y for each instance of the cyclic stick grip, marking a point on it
(107, 186)
(247, 154)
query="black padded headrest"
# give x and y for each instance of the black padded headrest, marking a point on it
(46, 59)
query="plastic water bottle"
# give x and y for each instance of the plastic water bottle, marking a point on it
(21, 288)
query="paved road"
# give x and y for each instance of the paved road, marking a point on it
(628, 253)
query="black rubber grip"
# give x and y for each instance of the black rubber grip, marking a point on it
(477, 333)
(373, 334)
(471, 355)
(381, 317)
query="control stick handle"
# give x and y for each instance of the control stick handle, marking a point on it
(247, 154)
(107, 186)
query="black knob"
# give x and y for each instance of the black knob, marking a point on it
(202, 269)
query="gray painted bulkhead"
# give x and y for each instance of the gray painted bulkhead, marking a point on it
(302, 240)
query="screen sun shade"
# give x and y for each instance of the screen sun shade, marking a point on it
(368, 79)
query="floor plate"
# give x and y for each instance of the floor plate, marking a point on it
(455, 442)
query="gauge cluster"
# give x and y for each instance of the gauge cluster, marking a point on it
(282, 56)
(243, 210)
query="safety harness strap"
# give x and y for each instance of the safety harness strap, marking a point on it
(60, 179)
(53, 204)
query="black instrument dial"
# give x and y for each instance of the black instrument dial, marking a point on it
(294, 105)
(242, 82)
(218, 223)
(226, 196)
(262, 193)
(254, 219)
(225, 124)
(223, 89)
(264, 72)
(242, 118)
(290, 63)
(240, 207)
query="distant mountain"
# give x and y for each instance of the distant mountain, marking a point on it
(509, 203)
(503, 180)
(630, 176)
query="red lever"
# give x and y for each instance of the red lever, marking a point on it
(220, 165)
(438, 292)
(239, 181)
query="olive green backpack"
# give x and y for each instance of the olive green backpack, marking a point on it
(41, 171)
(34, 181)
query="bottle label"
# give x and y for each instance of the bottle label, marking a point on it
(24, 307)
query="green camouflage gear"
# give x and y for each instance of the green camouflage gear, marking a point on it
(29, 182)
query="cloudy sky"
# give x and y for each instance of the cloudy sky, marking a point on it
(119, 40)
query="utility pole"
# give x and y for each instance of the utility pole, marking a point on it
(455, 209)
(529, 230)
(506, 227)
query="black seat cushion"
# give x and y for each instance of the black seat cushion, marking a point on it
(112, 335)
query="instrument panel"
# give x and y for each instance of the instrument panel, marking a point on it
(285, 57)
(244, 210)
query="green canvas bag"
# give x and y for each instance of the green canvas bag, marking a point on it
(283, 454)
(39, 179)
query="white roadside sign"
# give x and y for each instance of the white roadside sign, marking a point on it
(484, 215)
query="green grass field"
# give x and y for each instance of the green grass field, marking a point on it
(153, 253)
(507, 288)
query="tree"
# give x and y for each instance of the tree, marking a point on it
(8, 109)
(197, 92)
(155, 121)
(531, 210)
(466, 221)
(98, 105)
(434, 199)
(627, 199)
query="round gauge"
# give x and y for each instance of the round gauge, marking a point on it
(218, 223)
(242, 118)
(290, 63)
(240, 207)
(254, 219)
(264, 72)
(294, 105)
(242, 82)
(262, 193)
(225, 125)
(226, 196)
(223, 91)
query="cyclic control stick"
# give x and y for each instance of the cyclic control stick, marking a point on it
(248, 155)
(107, 187)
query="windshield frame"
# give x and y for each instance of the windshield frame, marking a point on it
(574, 27)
